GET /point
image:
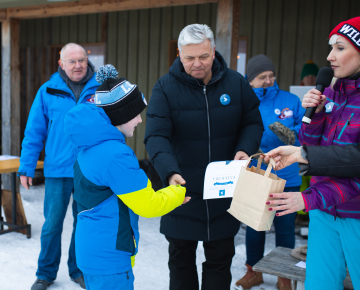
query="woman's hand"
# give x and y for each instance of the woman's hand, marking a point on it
(314, 98)
(289, 202)
(284, 156)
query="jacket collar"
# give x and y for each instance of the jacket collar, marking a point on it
(57, 82)
(88, 126)
(347, 87)
(269, 92)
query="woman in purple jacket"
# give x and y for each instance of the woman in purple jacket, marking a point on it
(334, 203)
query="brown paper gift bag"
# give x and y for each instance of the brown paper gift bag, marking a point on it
(251, 194)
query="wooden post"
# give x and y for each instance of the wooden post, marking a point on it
(235, 34)
(10, 91)
(15, 86)
(6, 87)
(227, 25)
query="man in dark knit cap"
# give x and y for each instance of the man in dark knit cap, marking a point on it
(281, 113)
(74, 83)
(260, 71)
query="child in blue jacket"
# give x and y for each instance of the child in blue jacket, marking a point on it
(110, 188)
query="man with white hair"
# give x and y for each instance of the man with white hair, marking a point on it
(200, 112)
(73, 84)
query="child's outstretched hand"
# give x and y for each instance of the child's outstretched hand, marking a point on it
(186, 199)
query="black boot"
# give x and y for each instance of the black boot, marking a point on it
(41, 284)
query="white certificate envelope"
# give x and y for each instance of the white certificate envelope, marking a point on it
(221, 178)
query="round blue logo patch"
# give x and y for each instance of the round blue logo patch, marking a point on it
(225, 99)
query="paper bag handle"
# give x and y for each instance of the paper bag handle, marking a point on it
(251, 157)
(270, 166)
(268, 169)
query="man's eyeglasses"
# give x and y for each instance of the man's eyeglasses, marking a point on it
(264, 78)
(72, 62)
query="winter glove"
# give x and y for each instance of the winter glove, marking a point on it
(285, 135)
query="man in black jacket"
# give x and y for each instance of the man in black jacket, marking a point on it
(337, 161)
(200, 112)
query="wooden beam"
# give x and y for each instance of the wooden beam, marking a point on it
(227, 23)
(6, 87)
(10, 91)
(15, 86)
(93, 6)
(2, 14)
(235, 34)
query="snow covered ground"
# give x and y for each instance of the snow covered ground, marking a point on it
(18, 255)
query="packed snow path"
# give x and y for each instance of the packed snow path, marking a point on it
(18, 255)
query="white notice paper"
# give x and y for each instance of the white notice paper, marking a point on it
(7, 157)
(300, 91)
(301, 264)
(221, 178)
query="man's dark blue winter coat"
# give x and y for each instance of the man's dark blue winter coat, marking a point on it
(188, 126)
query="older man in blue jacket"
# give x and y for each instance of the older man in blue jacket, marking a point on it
(200, 112)
(73, 84)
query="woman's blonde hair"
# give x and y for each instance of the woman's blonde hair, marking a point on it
(332, 41)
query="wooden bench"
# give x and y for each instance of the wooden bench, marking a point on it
(280, 263)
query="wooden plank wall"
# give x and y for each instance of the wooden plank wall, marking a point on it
(137, 44)
(292, 32)
(37, 56)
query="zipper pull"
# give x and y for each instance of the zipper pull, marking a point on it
(134, 241)
(204, 90)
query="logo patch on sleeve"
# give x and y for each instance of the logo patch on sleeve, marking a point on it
(329, 107)
(91, 100)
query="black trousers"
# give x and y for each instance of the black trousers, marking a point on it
(216, 273)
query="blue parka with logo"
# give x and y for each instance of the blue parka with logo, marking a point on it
(280, 106)
(111, 192)
(46, 124)
(189, 125)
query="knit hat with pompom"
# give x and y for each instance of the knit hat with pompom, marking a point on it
(121, 100)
